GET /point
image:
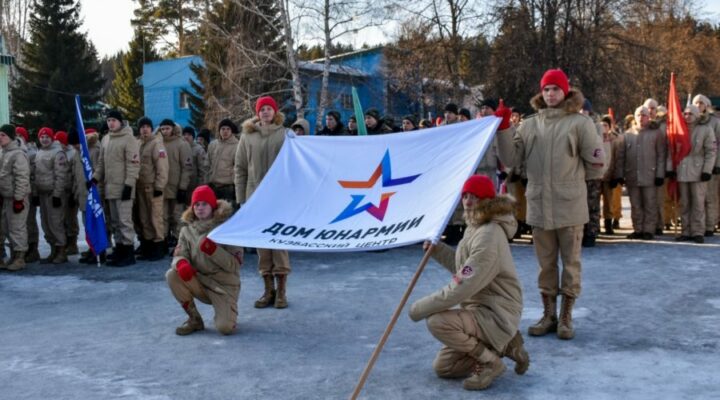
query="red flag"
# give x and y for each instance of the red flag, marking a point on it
(678, 134)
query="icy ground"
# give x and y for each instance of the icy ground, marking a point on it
(647, 323)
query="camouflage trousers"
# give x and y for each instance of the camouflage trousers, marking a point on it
(594, 188)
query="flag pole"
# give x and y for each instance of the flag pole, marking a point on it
(391, 324)
(359, 115)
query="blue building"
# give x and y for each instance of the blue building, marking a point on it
(164, 83)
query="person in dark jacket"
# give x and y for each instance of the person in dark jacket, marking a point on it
(333, 125)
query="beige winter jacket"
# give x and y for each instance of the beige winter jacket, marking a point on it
(221, 156)
(714, 123)
(702, 154)
(153, 164)
(119, 162)
(14, 172)
(640, 157)
(484, 277)
(52, 170)
(561, 149)
(70, 155)
(200, 166)
(219, 272)
(256, 151)
(179, 157)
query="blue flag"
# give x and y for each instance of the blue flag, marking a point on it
(94, 216)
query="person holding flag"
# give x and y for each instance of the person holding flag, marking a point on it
(15, 189)
(91, 139)
(712, 200)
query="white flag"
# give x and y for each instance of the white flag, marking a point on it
(356, 193)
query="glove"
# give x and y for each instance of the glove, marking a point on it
(502, 175)
(126, 193)
(207, 246)
(91, 182)
(671, 174)
(18, 206)
(716, 171)
(659, 182)
(705, 177)
(56, 202)
(181, 196)
(504, 113)
(185, 270)
(35, 201)
(157, 193)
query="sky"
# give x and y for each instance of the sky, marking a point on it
(108, 24)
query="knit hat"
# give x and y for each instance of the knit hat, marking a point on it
(90, 131)
(205, 134)
(167, 122)
(607, 119)
(22, 132)
(189, 130)
(373, 113)
(701, 98)
(490, 103)
(46, 131)
(9, 130)
(555, 77)
(206, 194)
(144, 121)
(694, 110)
(451, 107)
(62, 137)
(115, 114)
(466, 113)
(227, 122)
(650, 103)
(479, 185)
(412, 119)
(265, 101)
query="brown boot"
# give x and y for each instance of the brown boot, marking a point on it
(488, 367)
(60, 256)
(280, 298)
(268, 296)
(71, 248)
(32, 254)
(17, 262)
(51, 256)
(565, 329)
(548, 322)
(516, 352)
(194, 323)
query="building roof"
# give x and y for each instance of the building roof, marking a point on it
(175, 72)
(350, 54)
(334, 69)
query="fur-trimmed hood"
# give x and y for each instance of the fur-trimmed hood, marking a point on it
(221, 214)
(252, 125)
(92, 138)
(572, 103)
(499, 210)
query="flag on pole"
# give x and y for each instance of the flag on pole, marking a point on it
(400, 189)
(94, 216)
(359, 115)
(678, 134)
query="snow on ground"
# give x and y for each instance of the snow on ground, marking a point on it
(647, 328)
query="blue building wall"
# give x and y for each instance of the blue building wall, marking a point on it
(163, 84)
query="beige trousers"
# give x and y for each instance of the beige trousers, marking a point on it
(712, 203)
(13, 225)
(52, 220)
(567, 242)
(460, 334)
(692, 207)
(120, 213)
(643, 208)
(150, 214)
(273, 262)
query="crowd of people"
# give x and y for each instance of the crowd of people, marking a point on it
(545, 174)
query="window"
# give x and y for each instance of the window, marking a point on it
(184, 103)
(346, 101)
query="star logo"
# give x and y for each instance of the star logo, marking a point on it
(383, 169)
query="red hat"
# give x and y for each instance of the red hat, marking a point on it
(206, 194)
(89, 131)
(62, 137)
(265, 101)
(555, 77)
(479, 185)
(22, 132)
(46, 131)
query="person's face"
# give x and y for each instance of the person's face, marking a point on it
(486, 111)
(370, 122)
(145, 131)
(188, 138)
(266, 114)
(689, 117)
(515, 118)
(352, 125)
(166, 130)
(4, 139)
(553, 95)
(225, 132)
(652, 109)
(463, 118)
(469, 201)
(605, 127)
(113, 124)
(45, 140)
(450, 117)
(299, 130)
(202, 210)
(700, 105)
(407, 125)
(330, 122)
(642, 119)
(201, 141)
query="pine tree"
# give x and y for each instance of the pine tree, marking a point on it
(126, 92)
(58, 61)
(196, 97)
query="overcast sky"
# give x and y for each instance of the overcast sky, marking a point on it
(108, 24)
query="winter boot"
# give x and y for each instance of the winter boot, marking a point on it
(17, 262)
(51, 256)
(111, 256)
(60, 255)
(71, 249)
(616, 224)
(32, 254)
(488, 367)
(548, 323)
(280, 298)
(87, 257)
(268, 297)
(2, 263)
(609, 226)
(516, 352)
(156, 251)
(565, 328)
(588, 241)
(124, 256)
(141, 253)
(194, 322)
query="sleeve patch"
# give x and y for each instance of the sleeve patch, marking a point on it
(162, 153)
(467, 271)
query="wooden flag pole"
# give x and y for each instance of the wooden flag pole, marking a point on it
(391, 325)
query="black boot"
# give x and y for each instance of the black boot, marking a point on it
(124, 256)
(609, 226)
(156, 251)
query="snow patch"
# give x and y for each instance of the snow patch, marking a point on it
(533, 313)
(58, 284)
(714, 302)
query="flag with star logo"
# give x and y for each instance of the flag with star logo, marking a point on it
(357, 193)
